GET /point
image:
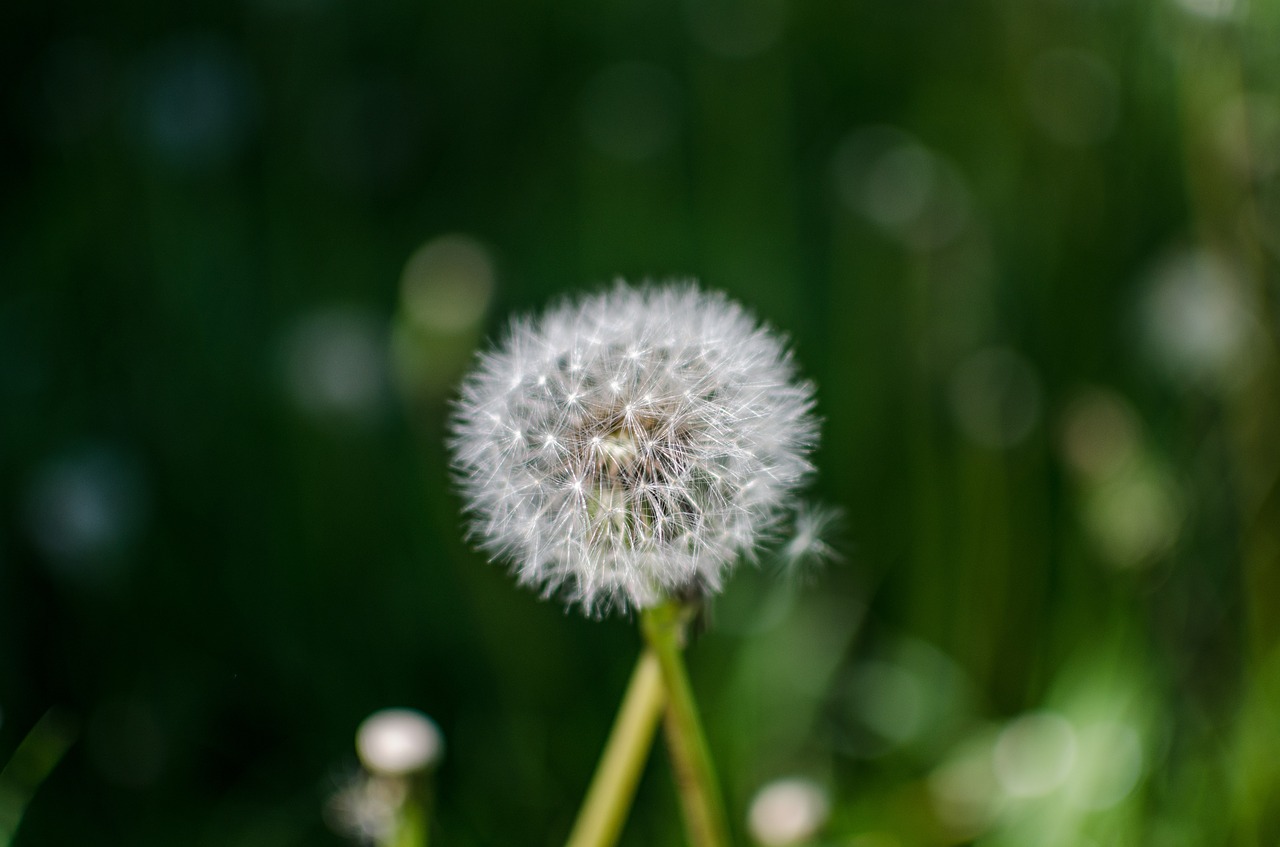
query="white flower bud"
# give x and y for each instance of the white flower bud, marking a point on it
(398, 742)
(788, 811)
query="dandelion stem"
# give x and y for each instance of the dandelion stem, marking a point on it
(411, 829)
(704, 818)
(609, 798)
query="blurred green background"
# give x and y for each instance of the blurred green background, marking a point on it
(1028, 251)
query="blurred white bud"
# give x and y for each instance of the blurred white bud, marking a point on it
(397, 742)
(788, 811)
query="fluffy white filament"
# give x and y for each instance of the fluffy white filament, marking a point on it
(631, 445)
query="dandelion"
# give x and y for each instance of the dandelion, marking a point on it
(633, 445)
(624, 450)
(388, 802)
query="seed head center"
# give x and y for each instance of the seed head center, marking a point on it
(619, 452)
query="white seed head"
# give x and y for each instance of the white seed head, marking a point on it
(631, 445)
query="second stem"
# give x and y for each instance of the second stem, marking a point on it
(705, 822)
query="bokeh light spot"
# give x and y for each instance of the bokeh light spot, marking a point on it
(1109, 765)
(1196, 321)
(1100, 433)
(1135, 515)
(1034, 754)
(895, 182)
(82, 510)
(195, 102)
(1212, 9)
(1249, 134)
(964, 791)
(1073, 96)
(889, 699)
(334, 364)
(736, 29)
(995, 397)
(631, 111)
(447, 284)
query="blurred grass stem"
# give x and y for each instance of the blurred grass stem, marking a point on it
(35, 758)
(614, 785)
(664, 630)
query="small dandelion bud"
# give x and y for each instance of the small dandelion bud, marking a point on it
(632, 445)
(788, 811)
(398, 742)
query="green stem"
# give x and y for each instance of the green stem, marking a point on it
(704, 818)
(411, 830)
(609, 798)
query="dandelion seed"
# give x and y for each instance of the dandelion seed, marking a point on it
(681, 434)
(809, 545)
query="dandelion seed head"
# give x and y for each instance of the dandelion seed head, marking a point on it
(657, 435)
